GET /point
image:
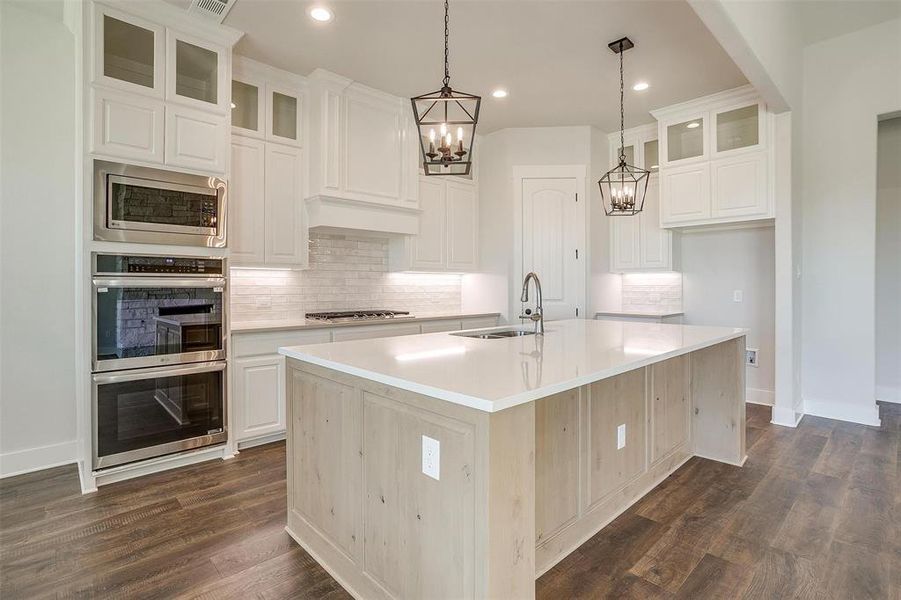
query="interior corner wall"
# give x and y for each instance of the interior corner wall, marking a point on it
(848, 81)
(37, 237)
(716, 264)
(888, 262)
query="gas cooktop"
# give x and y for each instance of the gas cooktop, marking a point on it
(344, 316)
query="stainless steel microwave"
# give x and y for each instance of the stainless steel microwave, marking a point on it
(153, 206)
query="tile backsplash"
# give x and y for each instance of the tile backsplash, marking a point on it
(652, 292)
(346, 272)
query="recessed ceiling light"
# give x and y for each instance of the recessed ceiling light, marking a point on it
(234, 105)
(693, 124)
(499, 93)
(641, 86)
(321, 14)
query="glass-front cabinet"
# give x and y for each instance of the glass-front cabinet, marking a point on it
(266, 103)
(195, 72)
(247, 107)
(737, 128)
(283, 115)
(685, 139)
(129, 52)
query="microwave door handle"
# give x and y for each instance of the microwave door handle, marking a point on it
(122, 377)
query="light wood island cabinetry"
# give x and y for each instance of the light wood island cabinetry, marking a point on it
(519, 488)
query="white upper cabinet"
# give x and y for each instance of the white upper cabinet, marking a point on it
(248, 106)
(160, 87)
(462, 226)
(716, 160)
(430, 245)
(196, 72)
(128, 53)
(286, 238)
(284, 114)
(363, 143)
(267, 103)
(246, 206)
(638, 243)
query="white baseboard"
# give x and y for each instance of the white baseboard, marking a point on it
(885, 393)
(756, 396)
(843, 411)
(37, 459)
(786, 417)
(263, 439)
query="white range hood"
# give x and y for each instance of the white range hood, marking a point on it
(342, 213)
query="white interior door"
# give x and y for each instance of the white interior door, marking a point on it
(551, 243)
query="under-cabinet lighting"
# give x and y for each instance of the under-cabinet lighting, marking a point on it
(427, 354)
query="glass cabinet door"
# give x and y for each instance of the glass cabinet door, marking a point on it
(737, 128)
(245, 106)
(195, 72)
(283, 116)
(128, 52)
(651, 159)
(685, 140)
(628, 150)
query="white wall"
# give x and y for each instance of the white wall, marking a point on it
(500, 152)
(888, 262)
(717, 263)
(848, 81)
(37, 237)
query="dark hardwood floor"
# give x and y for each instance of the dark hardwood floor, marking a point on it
(815, 513)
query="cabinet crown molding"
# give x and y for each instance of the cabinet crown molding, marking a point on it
(178, 19)
(711, 102)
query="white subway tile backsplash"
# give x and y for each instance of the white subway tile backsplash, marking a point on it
(346, 272)
(652, 292)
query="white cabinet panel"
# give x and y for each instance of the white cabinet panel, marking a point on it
(685, 194)
(462, 226)
(429, 246)
(286, 240)
(624, 240)
(740, 185)
(195, 139)
(128, 126)
(655, 243)
(246, 206)
(366, 332)
(373, 151)
(259, 396)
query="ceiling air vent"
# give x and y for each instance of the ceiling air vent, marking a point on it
(214, 10)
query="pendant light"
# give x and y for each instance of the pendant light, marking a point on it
(446, 121)
(624, 186)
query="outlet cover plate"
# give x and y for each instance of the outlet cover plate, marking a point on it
(431, 457)
(621, 437)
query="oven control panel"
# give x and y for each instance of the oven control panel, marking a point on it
(132, 264)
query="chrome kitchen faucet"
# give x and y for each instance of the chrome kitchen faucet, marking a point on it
(538, 315)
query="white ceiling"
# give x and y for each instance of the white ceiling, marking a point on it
(552, 56)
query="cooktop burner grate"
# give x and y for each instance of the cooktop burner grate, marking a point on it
(358, 315)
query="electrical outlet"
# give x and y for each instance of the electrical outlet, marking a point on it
(751, 357)
(737, 296)
(431, 457)
(263, 302)
(621, 437)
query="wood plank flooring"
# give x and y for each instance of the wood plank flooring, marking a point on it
(815, 513)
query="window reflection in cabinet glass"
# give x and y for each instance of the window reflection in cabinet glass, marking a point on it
(196, 72)
(651, 156)
(284, 116)
(244, 105)
(127, 52)
(685, 140)
(737, 128)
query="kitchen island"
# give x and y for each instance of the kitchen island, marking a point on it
(448, 466)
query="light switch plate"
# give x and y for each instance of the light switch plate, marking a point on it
(431, 457)
(738, 296)
(621, 437)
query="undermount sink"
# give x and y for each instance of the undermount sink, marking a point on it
(494, 335)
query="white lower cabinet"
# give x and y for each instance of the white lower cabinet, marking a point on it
(196, 139)
(128, 126)
(638, 243)
(259, 391)
(266, 224)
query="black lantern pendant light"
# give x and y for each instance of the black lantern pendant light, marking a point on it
(623, 188)
(446, 120)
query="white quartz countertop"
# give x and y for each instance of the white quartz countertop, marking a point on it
(250, 326)
(495, 374)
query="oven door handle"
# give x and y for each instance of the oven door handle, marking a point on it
(122, 377)
(159, 282)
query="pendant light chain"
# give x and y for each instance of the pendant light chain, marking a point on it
(622, 111)
(446, 24)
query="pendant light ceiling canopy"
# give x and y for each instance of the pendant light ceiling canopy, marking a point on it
(623, 187)
(446, 120)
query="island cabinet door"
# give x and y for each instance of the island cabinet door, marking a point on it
(670, 403)
(557, 463)
(617, 436)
